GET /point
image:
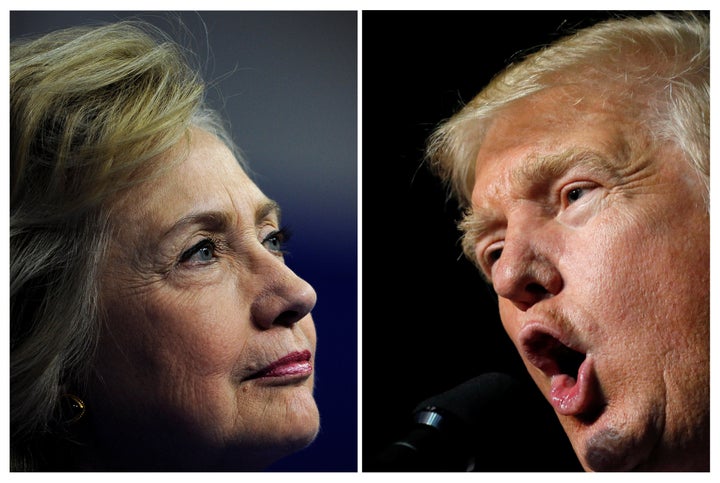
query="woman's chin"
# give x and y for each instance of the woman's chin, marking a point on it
(259, 458)
(286, 434)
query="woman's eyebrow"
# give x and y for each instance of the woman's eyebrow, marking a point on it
(211, 220)
(265, 209)
(217, 220)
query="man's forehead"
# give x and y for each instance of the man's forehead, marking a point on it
(525, 147)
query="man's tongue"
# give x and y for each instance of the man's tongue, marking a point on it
(572, 396)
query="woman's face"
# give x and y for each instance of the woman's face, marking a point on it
(206, 359)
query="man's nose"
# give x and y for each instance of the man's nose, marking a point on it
(525, 273)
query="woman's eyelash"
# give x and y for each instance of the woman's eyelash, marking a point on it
(278, 239)
(206, 245)
(206, 248)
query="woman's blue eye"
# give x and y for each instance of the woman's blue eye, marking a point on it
(203, 252)
(275, 241)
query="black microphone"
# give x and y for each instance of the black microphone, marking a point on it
(451, 429)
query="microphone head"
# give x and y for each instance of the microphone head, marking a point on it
(469, 403)
(449, 427)
(492, 422)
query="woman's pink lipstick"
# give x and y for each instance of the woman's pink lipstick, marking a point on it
(295, 363)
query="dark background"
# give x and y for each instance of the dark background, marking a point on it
(429, 321)
(287, 81)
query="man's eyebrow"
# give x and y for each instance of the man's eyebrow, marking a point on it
(535, 171)
(542, 169)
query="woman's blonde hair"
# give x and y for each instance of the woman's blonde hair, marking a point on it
(660, 63)
(91, 110)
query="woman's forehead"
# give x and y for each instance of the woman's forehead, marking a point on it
(204, 177)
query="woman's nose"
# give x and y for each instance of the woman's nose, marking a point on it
(283, 300)
(525, 274)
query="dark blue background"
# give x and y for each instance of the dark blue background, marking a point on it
(287, 81)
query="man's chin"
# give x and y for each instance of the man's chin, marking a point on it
(607, 448)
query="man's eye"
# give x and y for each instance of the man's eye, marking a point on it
(575, 194)
(276, 240)
(202, 252)
(494, 255)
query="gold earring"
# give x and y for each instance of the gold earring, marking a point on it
(72, 408)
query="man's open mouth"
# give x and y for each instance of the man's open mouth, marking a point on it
(573, 383)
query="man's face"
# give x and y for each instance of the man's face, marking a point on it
(597, 244)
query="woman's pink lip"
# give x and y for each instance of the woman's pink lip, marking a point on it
(295, 363)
